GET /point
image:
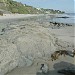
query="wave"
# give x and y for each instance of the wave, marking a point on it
(71, 14)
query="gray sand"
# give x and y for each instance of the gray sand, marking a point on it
(26, 44)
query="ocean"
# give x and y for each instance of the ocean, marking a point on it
(53, 18)
(70, 20)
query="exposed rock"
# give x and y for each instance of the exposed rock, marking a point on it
(67, 71)
(54, 25)
(30, 43)
(19, 47)
(23, 61)
(44, 68)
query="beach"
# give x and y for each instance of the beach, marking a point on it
(15, 16)
(27, 41)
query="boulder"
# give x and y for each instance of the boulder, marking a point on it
(44, 68)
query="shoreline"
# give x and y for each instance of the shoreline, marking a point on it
(17, 16)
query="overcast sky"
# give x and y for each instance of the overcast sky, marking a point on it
(65, 5)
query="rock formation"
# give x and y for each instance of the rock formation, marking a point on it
(21, 44)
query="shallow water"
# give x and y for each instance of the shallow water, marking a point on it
(63, 20)
(70, 20)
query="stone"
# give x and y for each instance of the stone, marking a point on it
(44, 68)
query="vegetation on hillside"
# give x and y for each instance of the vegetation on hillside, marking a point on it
(18, 7)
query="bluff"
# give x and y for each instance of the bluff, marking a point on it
(18, 7)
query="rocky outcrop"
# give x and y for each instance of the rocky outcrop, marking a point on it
(21, 44)
(44, 68)
(19, 47)
(58, 25)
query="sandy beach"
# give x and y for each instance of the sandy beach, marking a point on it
(66, 34)
(15, 16)
(26, 43)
